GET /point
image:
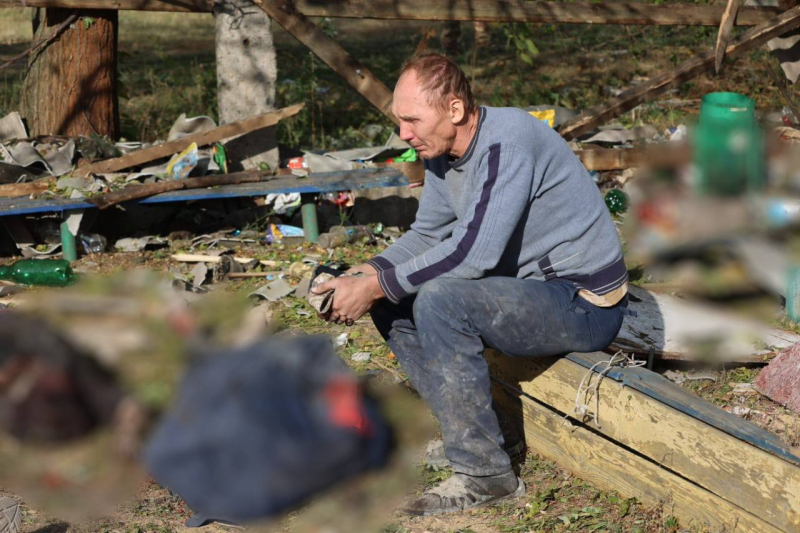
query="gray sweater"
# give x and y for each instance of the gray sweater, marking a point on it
(518, 203)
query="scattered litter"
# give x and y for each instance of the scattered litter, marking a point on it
(182, 164)
(131, 244)
(619, 135)
(741, 411)
(300, 270)
(302, 288)
(199, 273)
(276, 232)
(12, 128)
(361, 357)
(220, 157)
(9, 289)
(743, 388)
(680, 133)
(303, 312)
(281, 203)
(273, 291)
(92, 243)
(184, 127)
(340, 341)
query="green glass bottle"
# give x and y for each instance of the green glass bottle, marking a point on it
(48, 272)
(616, 201)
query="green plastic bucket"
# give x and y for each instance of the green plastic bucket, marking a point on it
(728, 145)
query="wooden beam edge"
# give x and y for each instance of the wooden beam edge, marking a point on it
(711, 458)
(593, 458)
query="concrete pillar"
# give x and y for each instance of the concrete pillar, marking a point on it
(246, 76)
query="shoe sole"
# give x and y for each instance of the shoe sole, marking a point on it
(519, 493)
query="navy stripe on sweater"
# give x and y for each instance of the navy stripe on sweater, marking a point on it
(473, 228)
(380, 263)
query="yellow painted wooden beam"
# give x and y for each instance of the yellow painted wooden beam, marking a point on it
(609, 466)
(736, 471)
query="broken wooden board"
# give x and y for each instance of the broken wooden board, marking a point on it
(357, 75)
(227, 131)
(780, 380)
(725, 27)
(753, 38)
(663, 442)
(466, 10)
(15, 190)
(661, 155)
(681, 330)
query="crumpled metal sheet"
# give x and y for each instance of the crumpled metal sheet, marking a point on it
(273, 291)
(11, 127)
(57, 159)
(190, 126)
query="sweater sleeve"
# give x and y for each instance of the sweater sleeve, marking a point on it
(434, 222)
(478, 241)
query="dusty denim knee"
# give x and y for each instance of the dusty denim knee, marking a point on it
(440, 335)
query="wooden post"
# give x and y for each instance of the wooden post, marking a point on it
(71, 85)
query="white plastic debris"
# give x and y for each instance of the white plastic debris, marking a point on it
(340, 341)
(360, 357)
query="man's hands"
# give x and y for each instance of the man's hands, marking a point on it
(353, 296)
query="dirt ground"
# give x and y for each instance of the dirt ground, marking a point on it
(556, 500)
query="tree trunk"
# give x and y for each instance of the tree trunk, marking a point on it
(71, 83)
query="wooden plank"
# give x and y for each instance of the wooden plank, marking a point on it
(487, 10)
(681, 330)
(536, 12)
(661, 83)
(180, 6)
(723, 36)
(357, 75)
(662, 155)
(723, 464)
(167, 149)
(313, 184)
(598, 460)
(136, 191)
(15, 190)
(666, 392)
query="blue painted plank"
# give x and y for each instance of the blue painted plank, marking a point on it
(663, 390)
(315, 183)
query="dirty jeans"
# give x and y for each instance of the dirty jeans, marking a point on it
(439, 337)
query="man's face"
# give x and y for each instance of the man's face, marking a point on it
(430, 130)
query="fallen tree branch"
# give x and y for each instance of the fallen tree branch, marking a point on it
(159, 151)
(634, 96)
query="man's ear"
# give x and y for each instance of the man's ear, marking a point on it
(455, 111)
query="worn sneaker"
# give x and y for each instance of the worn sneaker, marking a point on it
(461, 492)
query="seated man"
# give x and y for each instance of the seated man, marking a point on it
(512, 248)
